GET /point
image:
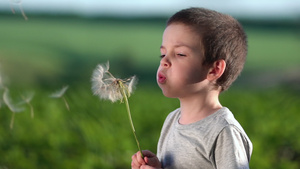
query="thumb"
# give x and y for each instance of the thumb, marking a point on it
(150, 160)
(148, 153)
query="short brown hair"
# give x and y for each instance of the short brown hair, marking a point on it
(222, 37)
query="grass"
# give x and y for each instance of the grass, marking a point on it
(93, 129)
(96, 134)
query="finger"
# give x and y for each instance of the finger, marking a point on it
(146, 167)
(146, 159)
(139, 158)
(148, 153)
(152, 161)
(133, 166)
(134, 162)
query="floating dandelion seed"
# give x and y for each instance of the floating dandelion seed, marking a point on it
(60, 94)
(1, 82)
(1, 86)
(107, 87)
(27, 98)
(19, 3)
(13, 108)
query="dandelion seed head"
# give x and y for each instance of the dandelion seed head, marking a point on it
(131, 84)
(15, 108)
(107, 87)
(16, 1)
(59, 93)
(27, 97)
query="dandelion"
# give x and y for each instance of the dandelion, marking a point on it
(19, 3)
(13, 108)
(1, 82)
(107, 87)
(1, 87)
(27, 98)
(60, 94)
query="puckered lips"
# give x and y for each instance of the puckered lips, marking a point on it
(161, 78)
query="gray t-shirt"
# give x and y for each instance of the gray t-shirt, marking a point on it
(216, 142)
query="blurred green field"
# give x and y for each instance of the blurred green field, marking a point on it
(65, 50)
(42, 55)
(97, 134)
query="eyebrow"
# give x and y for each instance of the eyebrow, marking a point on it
(178, 45)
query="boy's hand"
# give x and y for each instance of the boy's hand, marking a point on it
(137, 161)
(150, 160)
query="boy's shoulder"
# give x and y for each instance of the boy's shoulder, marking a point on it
(223, 116)
(174, 114)
(222, 119)
(171, 118)
(215, 123)
(204, 133)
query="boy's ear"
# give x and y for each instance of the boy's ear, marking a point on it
(217, 70)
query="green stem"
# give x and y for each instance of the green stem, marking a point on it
(66, 103)
(12, 121)
(129, 115)
(31, 110)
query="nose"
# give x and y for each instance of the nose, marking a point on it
(165, 62)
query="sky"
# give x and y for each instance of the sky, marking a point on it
(238, 8)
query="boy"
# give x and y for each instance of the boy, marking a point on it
(202, 53)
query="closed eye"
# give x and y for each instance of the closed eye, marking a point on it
(180, 54)
(162, 56)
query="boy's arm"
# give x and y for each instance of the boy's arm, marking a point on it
(150, 160)
(232, 150)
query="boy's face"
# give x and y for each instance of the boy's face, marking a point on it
(180, 73)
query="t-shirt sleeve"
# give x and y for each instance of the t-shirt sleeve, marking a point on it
(232, 149)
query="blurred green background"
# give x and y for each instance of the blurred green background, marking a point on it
(47, 52)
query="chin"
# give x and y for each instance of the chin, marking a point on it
(168, 94)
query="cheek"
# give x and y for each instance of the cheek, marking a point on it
(195, 76)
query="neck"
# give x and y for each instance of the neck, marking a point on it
(198, 107)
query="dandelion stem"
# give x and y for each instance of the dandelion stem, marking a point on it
(31, 110)
(12, 9)
(23, 13)
(66, 103)
(28, 102)
(122, 87)
(12, 121)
